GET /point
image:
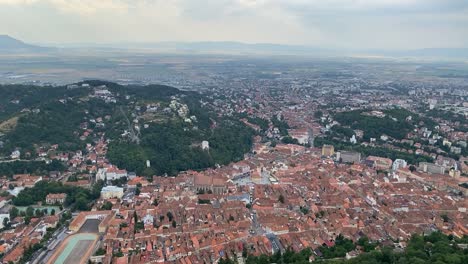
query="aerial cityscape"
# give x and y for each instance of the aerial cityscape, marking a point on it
(232, 150)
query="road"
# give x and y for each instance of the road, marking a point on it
(256, 227)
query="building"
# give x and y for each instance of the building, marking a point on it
(454, 173)
(3, 217)
(328, 150)
(103, 216)
(398, 164)
(207, 183)
(56, 198)
(108, 192)
(379, 163)
(431, 168)
(349, 157)
(51, 221)
(205, 145)
(15, 154)
(26, 180)
(303, 136)
(455, 150)
(111, 173)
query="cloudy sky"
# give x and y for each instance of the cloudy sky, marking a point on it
(352, 24)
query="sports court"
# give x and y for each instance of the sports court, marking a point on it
(75, 249)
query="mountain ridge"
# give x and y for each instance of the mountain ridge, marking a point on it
(10, 44)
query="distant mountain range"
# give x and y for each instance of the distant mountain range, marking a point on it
(231, 47)
(451, 53)
(9, 44)
(12, 45)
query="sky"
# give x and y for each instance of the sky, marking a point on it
(346, 24)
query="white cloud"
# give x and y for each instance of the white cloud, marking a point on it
(84, 7)
(344, 23)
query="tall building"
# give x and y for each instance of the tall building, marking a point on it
(328, 150)
(431, 168)
(399, 163)
(350, 157)
(379, 163)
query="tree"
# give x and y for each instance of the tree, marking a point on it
(39, 213)
(106, 206)
(318, 114)
(412, 168)
(81, 204)
(13, 212)
(445, 217)
(6, 221)
(30, 211)
(52, 212)
(135, 216)
(100, 252)
(174, 223)
(289, 140)
(204, 201)
(11, 186)
(244, 251)
(281, 198)
(169, 216)
(366, 245)
(78, 198)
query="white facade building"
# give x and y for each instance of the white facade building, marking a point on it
(108, 192)
(399, 163)
(205, 145)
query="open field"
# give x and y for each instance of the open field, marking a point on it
(8, 125)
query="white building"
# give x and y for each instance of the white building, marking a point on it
(15, 154)
(3, 216)
(15, 191)
(302, 135)
(111, 173)
(108, 192)
(205, 145)
(399, 163)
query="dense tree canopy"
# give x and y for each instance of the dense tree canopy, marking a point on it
(394, 124)
(32, 167)
(169, 142)
(78, 198)
(434, 248)
(375, 151)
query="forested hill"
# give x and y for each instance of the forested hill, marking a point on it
(158, 123)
